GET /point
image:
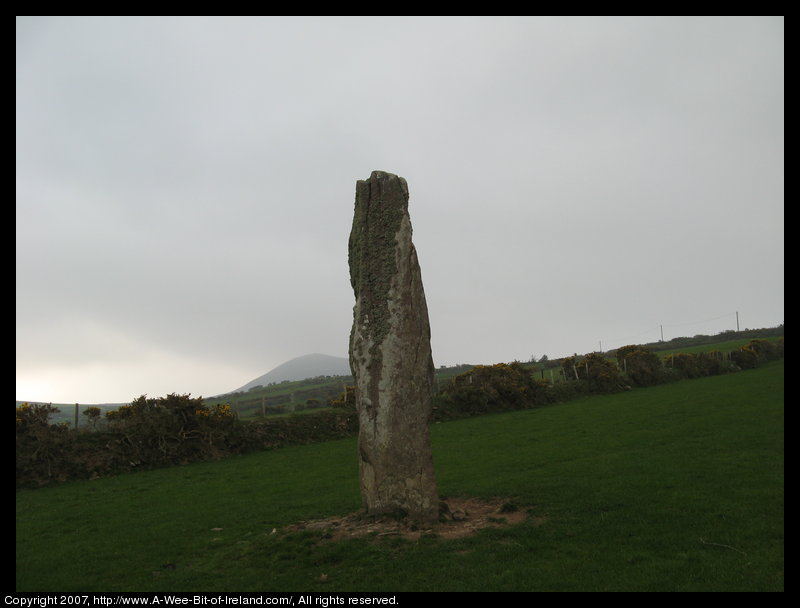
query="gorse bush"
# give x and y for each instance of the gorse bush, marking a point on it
(155, 432)
(347, 400)
(93, 415)
(34, 416)
(712, 363)
(641, 366)
(745, 358)
(602, 375)
(271, 433)
(172, 429)
(495, 388)
(148, 432)
(39, 445)
(757, 351)
(510, 386)
(599, 374)
(489, 388)
(698, 365)
(766, 350)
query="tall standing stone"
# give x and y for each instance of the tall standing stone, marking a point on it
(390, 354)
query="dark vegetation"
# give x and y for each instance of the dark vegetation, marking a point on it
(725, 336)
(177, 429)
(676, 487)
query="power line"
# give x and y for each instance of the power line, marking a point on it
(660, 328)
(706, 321)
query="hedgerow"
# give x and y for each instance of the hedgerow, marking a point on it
(155, 432)
(488, 388)
(178, 429)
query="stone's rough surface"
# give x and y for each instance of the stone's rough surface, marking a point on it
(390, 354)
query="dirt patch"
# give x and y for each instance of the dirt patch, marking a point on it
(459, 517)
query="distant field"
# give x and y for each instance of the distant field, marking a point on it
(554, 373)
(678, 487)
(723, 347)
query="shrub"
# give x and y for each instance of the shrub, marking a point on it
(270, 433)
(764, 349)
(745, 358)
(624, 351)
(696, 365)
(39, 444)
(600, 374)
(569, 368)
(710, 363)
(93, 415)
(346, 400)
(489, 388)
(34, 416)
(683, 363)
(564, 391)
(757, 351)
(167, 430)
(150, 433)
(641, 366)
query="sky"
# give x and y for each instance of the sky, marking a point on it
(185, 187)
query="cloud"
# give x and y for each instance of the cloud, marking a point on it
(185, 184)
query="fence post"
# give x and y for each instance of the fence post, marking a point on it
(76, 415)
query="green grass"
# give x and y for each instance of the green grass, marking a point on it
(673, 488)
(723, 347)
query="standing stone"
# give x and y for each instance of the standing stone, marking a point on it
(390, 354)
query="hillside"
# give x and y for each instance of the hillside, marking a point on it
(301, 368)
(724, 336)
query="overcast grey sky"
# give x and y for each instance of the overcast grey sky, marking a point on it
(185, 187)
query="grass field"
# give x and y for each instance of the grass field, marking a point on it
(723, 347)
(679, 487)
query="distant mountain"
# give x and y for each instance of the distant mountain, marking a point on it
(300, 368)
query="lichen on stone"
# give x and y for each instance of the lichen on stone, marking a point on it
(390, 352)
(381, 204)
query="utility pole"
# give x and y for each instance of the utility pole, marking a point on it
(737, 321)
(662, 332)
